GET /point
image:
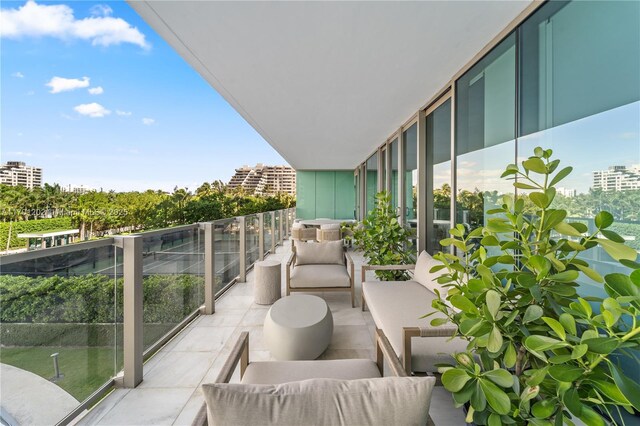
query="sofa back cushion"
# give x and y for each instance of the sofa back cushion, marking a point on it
(330, 252)
(429, 280)
(379, 401)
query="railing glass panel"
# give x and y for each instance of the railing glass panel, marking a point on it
(252, 224)
(227, 251)
(268, 231)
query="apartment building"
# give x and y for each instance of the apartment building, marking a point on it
(617, 178)
(14, 173)
(265, 180)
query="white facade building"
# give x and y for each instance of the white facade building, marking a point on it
(265, 180)
(14, 173)
(617, 178)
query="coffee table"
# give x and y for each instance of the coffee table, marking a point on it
(298, 327)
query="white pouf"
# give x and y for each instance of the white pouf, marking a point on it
(298, 327)
(267, 282)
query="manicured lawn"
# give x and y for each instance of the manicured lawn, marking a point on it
(84, 369)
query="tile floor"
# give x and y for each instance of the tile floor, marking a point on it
(170, 393)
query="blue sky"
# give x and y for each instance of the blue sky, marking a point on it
(157, 123)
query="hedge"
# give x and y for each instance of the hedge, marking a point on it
(90, 298)
(38, 225)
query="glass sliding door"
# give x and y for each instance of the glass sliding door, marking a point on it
(356, 183)
(485, 133)
(371, 181)
(393, 152)
(410, 172)
(438, 126)
(580, 96)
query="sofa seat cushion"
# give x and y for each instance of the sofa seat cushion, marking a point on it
(378, 401)
(319, 276)
(275, 372)
(327, 253)
(398, 304)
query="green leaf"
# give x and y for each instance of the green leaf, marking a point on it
(494, 420)
(565, 373)
(565, 276)
(539, 199)
(509, 356)
(436, 322)
(478, 399)
(611, 391)
(603, 220)
(464, 304)
(538, 151)
(568, 322)
(495, 340)
(493, 302)
(565, 229)
(543, 409)
(590, 273)
(455, 379)
(572, 401)
(602, 345)
(496, 397)
(535, 164)
(500, 377)
(629, 388)
(560, 175)
(635, 277)
(590, 417)
(579, 351)
(555, 326)
(532, 313)
(522, 185)
(610, 235)
(543, 343)
(537, 377)
(554, 217)
(617, 251)
(499, 226)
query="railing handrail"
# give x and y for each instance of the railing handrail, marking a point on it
(53, 251)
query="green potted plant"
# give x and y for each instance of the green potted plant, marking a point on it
(383, 240)
(538, 353)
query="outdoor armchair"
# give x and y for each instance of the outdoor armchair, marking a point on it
(316, 267)
(351, 390)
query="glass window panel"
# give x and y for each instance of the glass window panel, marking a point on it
(439, 151)
(410, 142)
(372, 181)
(485, 133)
(393, 148)
(383, 171)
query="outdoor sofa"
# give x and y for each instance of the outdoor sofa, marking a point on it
(396, 308)
(322, 392)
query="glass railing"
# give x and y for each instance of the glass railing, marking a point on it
(63, 310)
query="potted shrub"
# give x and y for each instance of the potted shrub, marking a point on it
(539, 354)
(383, 240)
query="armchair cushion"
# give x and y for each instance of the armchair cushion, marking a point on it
(320, 275)
(422, 275)
(384, 401)
(275, 372)
(327, 253)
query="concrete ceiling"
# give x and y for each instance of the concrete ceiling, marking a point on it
(325, 83)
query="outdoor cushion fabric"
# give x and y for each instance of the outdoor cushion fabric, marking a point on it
(428, 279)
(330, 252)
(319, 276)
(275, 372)
(397, 304)
(379, 401)
(330, 226)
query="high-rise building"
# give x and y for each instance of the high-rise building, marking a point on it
(16, 173)
(617, 178)
(265, 180)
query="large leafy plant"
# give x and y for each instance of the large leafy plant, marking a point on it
(539, 354)
(383, 240)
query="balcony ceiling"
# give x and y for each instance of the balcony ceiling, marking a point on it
(326, 82)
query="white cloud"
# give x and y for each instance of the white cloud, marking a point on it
(17, 75)
(123, 113)
(93, 110)
(96, 90)
(57, 20)
(148, 121)
(101, 10)
(61, 84)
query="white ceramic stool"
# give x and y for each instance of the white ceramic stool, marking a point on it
(267, 282)
(298, 327)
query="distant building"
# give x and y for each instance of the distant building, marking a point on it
(265, 180)
(567, 192)
(617, 178)
(16, 173)
(76, 189)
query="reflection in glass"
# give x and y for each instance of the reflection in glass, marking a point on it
(485, 133)
(372, 181)
(393, 149)
(410, 142)
(439, 158)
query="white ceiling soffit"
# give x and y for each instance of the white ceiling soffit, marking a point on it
(325, 83)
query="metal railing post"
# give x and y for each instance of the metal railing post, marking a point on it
(281, 225)
(273, 232)
(243, 249)
(261, 236)
(133, 322)
(209, 269)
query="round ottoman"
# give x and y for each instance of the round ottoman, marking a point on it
(266, 285)
(298, 327)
